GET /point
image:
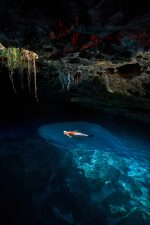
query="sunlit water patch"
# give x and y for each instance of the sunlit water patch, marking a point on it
(103, 179)
(119, 164)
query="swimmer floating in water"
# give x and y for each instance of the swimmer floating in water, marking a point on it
(74, 133)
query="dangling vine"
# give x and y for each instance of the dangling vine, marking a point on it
(28, 58)
(21, 60)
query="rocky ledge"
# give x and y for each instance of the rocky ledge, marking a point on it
(116, 86)
(104, 69)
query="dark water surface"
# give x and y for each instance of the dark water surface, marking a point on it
(50, 179)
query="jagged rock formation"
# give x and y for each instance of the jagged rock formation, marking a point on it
(117, 87)
(103, 47)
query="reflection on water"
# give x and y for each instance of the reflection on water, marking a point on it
(99, 180)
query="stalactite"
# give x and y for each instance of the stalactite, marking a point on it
(107, 83)
(35, 86)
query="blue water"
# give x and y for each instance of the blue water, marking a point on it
(53, 179)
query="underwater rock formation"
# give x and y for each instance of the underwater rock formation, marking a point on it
(115, 168)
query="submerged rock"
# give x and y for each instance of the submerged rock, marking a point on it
(136, 216)
(117, 205)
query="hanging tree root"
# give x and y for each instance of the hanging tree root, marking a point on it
(21, 60)
(30, 58)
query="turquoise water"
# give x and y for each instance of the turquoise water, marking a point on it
(99, 180)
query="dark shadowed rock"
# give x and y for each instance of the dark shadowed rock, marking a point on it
(129, 70)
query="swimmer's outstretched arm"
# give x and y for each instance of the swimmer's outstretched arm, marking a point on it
(81, 134)
(86, 135)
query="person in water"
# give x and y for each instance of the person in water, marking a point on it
(74, 133)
